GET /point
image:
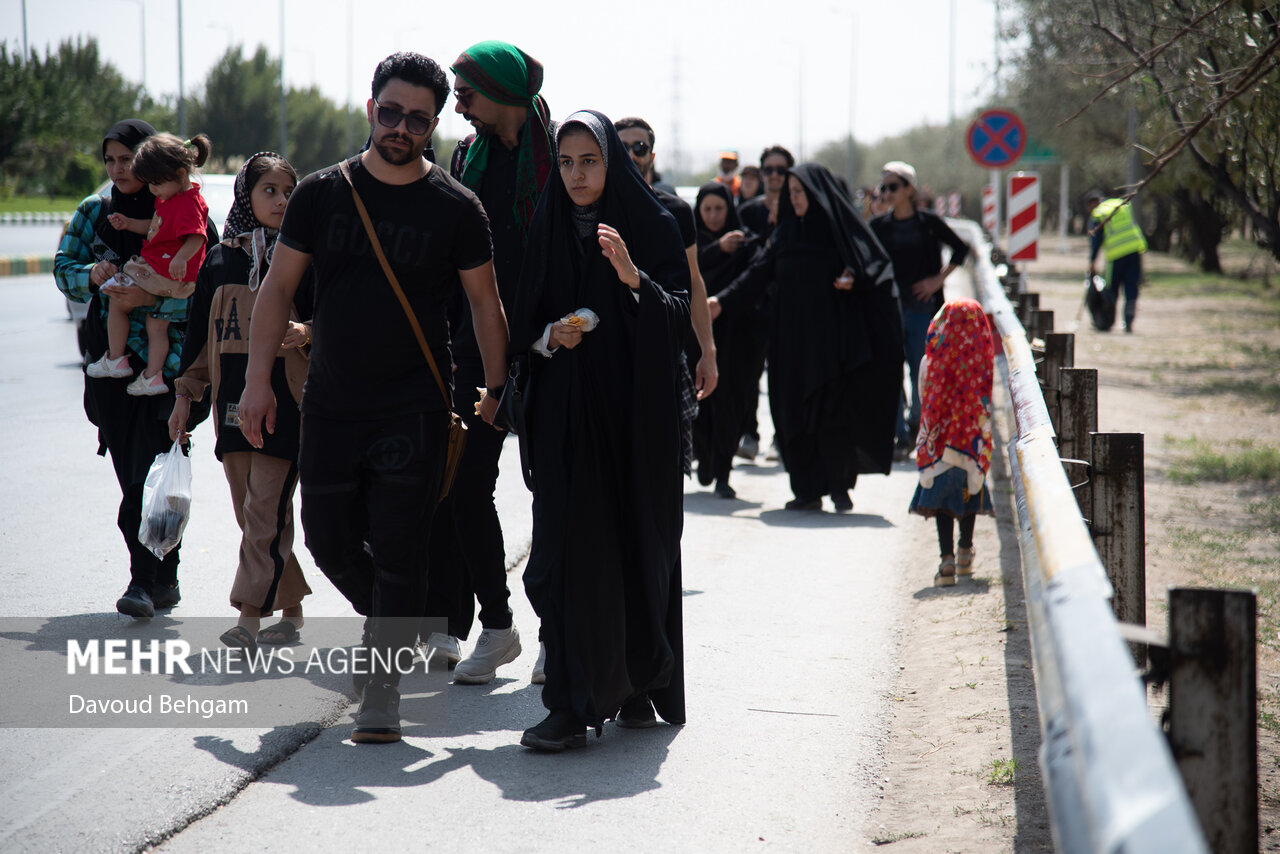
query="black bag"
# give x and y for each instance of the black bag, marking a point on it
(511, 411)
(1101, 302)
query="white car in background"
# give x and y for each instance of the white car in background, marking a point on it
(218, 192)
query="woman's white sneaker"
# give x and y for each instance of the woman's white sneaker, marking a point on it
(494, 648)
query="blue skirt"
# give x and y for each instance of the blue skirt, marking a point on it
(950, 496)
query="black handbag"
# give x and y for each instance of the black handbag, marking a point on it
(512, 407)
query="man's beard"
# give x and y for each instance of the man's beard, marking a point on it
(396, 157)
(482, 128)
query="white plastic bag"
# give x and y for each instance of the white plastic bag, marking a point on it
(166, 502)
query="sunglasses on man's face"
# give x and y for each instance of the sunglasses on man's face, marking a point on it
(639, 148)
(773, 170)
(389, 117)
(890, 188)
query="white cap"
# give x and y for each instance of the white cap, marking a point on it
(905, 171)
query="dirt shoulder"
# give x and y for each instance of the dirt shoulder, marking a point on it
(1199, 378)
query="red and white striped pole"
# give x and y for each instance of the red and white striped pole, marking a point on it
(1024, 215)
(989, 212)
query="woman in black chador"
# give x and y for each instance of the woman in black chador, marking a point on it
(835, 353)
(603, 305)
(724, 249)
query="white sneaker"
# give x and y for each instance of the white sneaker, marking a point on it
(445, 648)
(107, 368)
(145, 386)
(494, 648)
(540, 666)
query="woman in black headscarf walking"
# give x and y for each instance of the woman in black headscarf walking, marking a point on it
(603, 303)
(835, 353)
(724, 249)
(132, 428)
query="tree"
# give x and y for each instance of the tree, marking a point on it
(53, 113)
(1203, 77)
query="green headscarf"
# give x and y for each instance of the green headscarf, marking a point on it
(505, 74)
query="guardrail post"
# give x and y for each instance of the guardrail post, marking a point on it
(1041, 322)
(1118, 523)
(1059, 353)
(1078, 408)
(1027, 302)
(1213, 710)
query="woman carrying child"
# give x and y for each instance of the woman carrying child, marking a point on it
(214, 358)
(953, 448)
(172, 252)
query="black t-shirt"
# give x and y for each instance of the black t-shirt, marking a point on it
(365, 360)
(915, 245)
(754, 214)
(680, 209)
(497, 194)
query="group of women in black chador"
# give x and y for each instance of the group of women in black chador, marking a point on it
(603, 419)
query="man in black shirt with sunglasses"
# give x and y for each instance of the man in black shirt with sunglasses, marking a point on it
(375, 424)
(761, 215)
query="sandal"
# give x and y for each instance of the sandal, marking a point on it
(946, 576)
(281, 634)
(964, 561)
(238, 637)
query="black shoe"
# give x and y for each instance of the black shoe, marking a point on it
(842, 501)
(136, 603)
(637, 713)
(800, 504)
(378, 721)
(164, 596)
(360, 674)
(724, 490)
(558, 731)
(705, 477)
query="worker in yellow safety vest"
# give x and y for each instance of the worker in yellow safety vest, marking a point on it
(1112, 228)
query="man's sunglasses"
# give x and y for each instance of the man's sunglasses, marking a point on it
(639, 148)
(389, 117)
(890, 188)
(773, 170)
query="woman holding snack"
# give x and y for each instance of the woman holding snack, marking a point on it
(603, 305)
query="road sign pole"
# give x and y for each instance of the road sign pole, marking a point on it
(998, 233)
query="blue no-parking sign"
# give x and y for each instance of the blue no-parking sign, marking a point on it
(996, 139)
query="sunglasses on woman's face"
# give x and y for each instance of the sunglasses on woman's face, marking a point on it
(639, 148)
(890, 188)
(389, 117)
(773, 170)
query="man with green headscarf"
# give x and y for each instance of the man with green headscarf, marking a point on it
(506, 163)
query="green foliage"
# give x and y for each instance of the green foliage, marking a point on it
(53, 113)
(1001, 772)
(240, 111)
(1253, 462)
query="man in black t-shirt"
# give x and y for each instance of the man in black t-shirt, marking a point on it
(375, 425)
(760, 215)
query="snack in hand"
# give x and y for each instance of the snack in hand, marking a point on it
(584, 318)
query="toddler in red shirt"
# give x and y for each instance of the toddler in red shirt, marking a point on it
(171, 255)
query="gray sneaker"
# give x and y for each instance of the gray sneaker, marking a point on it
(446, 650)
(494, 648)
(539, 676)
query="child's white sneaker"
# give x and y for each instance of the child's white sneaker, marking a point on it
(115, 369)
(145, 386)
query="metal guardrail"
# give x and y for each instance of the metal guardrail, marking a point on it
(1111, 780)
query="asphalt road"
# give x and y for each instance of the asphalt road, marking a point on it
(29, 239)
(790, 636)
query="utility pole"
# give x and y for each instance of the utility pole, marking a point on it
(182, 100)
(284, 99)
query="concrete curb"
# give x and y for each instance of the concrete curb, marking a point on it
(31, 218)
(25, 265)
